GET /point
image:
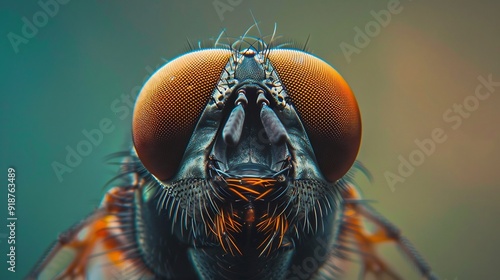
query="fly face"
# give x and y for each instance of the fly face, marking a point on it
(237, 172)
(253, 182)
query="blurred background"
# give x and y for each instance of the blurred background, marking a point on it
(413, 65)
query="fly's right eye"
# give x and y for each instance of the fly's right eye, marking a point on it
(169, 105)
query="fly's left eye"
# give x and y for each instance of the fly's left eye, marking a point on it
(169, 105)
(327, 107)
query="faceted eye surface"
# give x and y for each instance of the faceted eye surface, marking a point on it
(169, 105)
(327, 107)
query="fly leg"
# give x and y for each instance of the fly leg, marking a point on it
(102, 245)
(366, 242)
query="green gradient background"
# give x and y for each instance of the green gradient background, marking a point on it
(424, 61)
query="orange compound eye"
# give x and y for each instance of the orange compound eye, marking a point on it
(327, 107)
(169, 105)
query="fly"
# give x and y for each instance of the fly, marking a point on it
(241, 168)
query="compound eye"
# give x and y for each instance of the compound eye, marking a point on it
(327, 107)
(169, 105)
